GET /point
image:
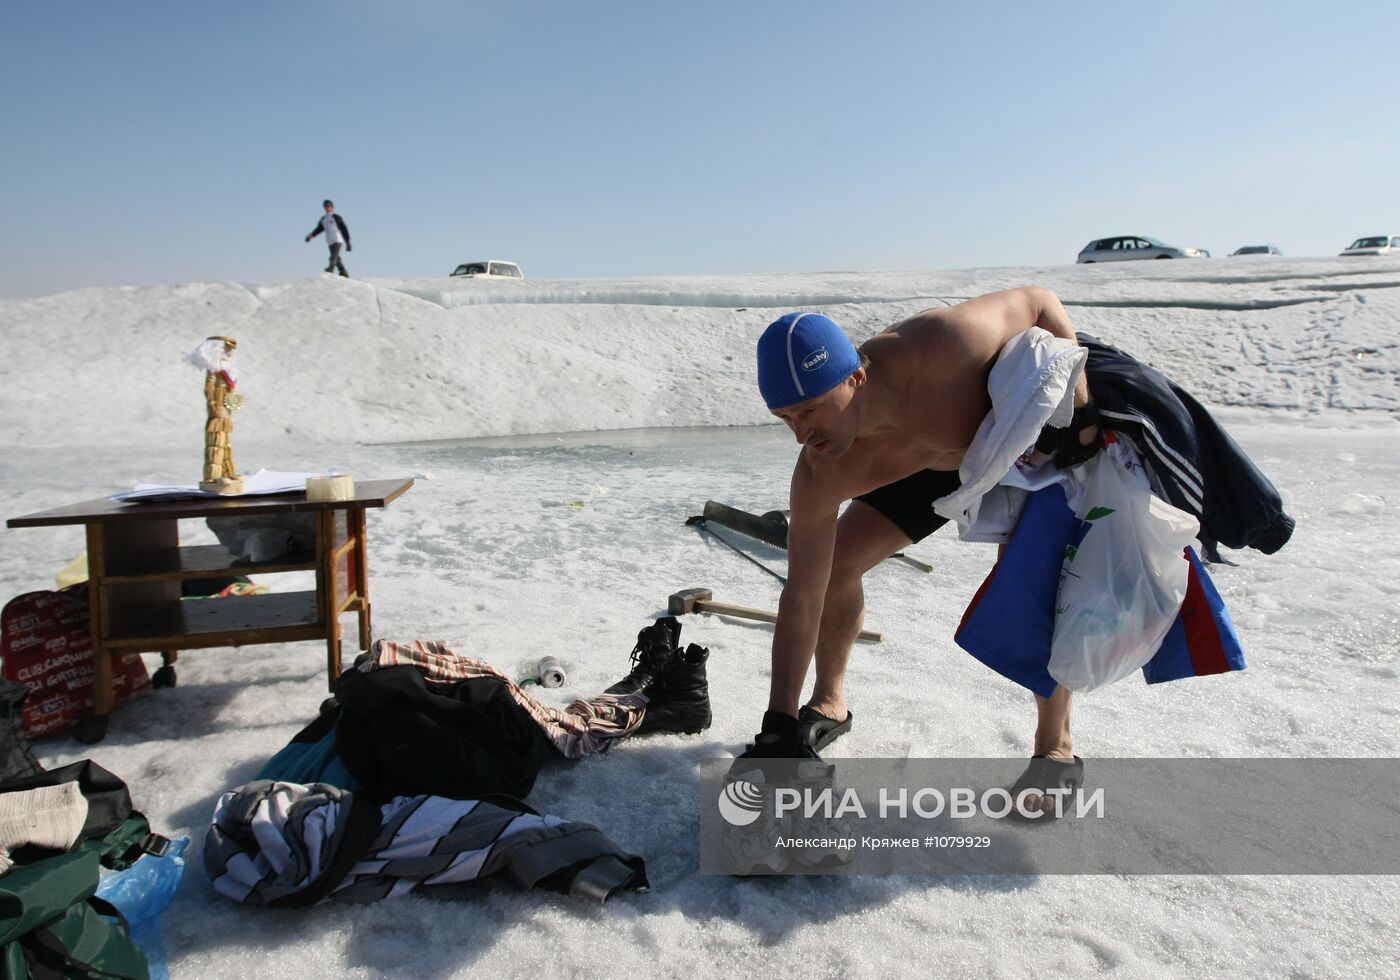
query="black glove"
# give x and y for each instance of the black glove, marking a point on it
(1064, 443)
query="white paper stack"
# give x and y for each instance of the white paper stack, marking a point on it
(262, 483)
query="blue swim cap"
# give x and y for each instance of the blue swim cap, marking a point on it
(801, 356)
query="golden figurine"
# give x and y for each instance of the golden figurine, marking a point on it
(215, 355)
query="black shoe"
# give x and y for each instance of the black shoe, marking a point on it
(679, 699)
(656, 645)
(780, 738)
(819, 731)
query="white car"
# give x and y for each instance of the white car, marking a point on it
(1375, 245)
(488, 269)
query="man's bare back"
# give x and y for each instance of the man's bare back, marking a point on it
(921, 400)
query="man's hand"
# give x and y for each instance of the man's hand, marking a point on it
(349, 247)
(1076, 442)
(308, 238)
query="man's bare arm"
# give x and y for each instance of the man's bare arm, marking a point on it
(811, 543)
(1014, 311)
(1050, 315)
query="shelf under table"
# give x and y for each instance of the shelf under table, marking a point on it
(232, 621)
(205, 561)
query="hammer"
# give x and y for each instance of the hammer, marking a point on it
(702, 601)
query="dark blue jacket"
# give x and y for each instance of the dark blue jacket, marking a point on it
(1193, 462)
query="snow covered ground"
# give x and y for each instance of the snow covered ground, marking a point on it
(613, 409)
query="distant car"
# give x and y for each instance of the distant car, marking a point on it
(1135, 247)
(488, 269)
(1257, 250)
(1375, 245)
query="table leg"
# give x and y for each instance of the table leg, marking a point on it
(102, 693)
(357, 528)
(326, 588)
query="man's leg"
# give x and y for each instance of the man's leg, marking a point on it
(334, 249)
(864, 538)
(1052, 738)
(1057, 768)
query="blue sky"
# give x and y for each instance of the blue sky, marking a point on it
(153, 142)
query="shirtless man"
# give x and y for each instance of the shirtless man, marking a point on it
(885, 427)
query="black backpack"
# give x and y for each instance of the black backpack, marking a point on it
(16, 759)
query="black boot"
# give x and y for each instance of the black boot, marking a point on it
(680, 697)
(656, 645)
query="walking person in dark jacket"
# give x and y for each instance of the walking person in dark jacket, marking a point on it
(337, 234)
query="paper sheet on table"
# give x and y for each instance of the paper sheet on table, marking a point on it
(263, 482)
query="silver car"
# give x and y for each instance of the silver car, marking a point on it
(1135, 247)
(1374, 245)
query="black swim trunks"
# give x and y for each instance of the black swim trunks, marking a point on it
(908, 502)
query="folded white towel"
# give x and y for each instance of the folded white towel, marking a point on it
(50, 816)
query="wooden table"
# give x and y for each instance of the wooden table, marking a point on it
(136, 567)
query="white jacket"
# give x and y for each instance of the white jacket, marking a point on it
(1031, 385)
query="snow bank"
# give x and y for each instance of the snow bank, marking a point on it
(328, 359)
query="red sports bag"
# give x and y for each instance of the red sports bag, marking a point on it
(47, 645)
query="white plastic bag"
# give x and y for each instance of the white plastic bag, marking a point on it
(1124, 574)
(264, 537)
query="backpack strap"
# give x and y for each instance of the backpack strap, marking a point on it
(154, 844)
(125, 845)
(82, 944)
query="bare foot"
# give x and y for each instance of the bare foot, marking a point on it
(834, 708)
(1061, 777)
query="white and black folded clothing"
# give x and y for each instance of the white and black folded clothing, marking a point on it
(285, 845)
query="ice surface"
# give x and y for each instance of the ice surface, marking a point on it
(513, 547)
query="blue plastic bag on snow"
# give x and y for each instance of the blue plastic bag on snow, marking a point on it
(141, 893)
